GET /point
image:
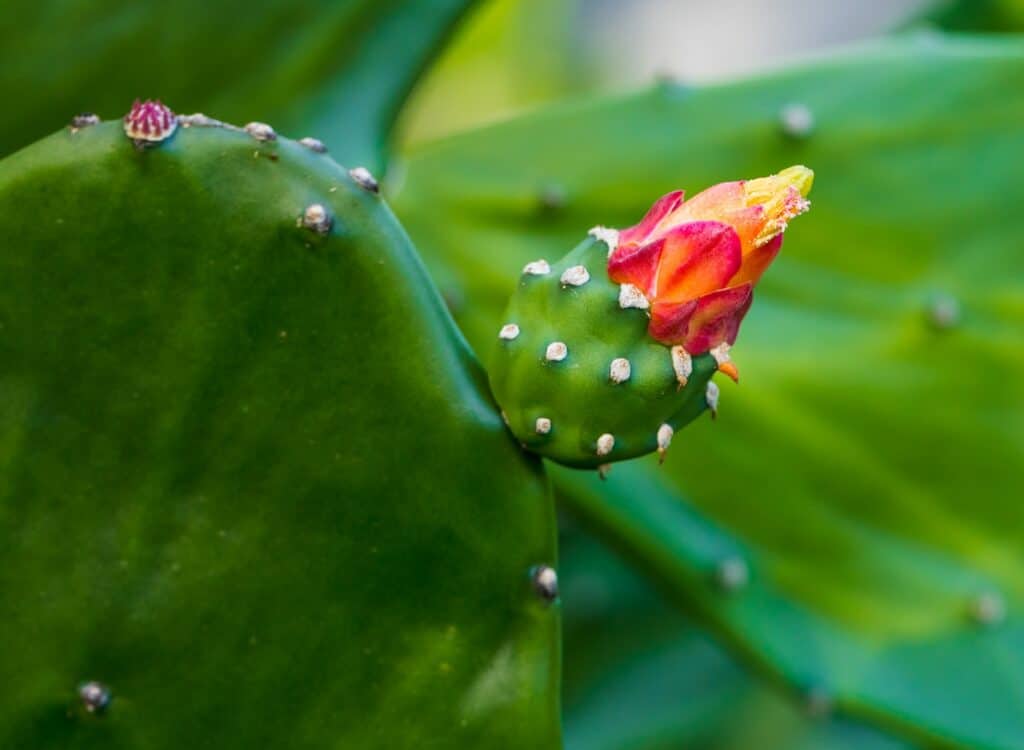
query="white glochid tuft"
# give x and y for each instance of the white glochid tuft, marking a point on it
(732, 573)
(316, 218)
(988, 608)
(575, 276)
(608, 236)
(711, 394)
(665, 433)
(720, 353)
(537, 268)
(364, 179)
(620, 370)
(556, 351)
(261, 131)
(797, 120)
(682, 363)
(313, 144)
(631, 296)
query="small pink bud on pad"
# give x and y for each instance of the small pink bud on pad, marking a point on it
(150, 122)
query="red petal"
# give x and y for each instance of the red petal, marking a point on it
(698, 258)
(661, 208)
(635, 264)
(717, 318)
(757, 262)
(669, 321)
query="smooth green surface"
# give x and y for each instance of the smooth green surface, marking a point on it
(871, 463)
(506, 57)
(576, 394)
(338, 70)
(639, 675)
(248, 470)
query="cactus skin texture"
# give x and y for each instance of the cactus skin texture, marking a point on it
(578, 393)
(242, 446)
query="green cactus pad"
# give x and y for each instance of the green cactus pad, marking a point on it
(573, 367)
(242, 446)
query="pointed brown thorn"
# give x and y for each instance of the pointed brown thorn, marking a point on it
(730, 369)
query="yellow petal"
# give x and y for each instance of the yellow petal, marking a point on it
(782, 196)
(767, 190)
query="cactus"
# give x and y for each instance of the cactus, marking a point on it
(607, 353)
(577, 376)
(241, 443)
(857, 557)
(337, 68)
(243, 446)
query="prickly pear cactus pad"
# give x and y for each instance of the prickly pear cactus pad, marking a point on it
(242, 446)
(608, 352)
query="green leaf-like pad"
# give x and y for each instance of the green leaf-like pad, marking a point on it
(242, 464)
(564, 408)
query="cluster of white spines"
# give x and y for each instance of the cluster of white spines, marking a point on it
(316, 218)
(682, 364)
(556, 351)
(575, 276)
(631, 296)
(620, 368)
(607, 235)
(537, 268)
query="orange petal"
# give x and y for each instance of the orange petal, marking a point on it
(698, 257)
(716, 318)
(635, 264)
(711, 204)
(661, 208)
(727, 203)
(748, 223)
(757, 262)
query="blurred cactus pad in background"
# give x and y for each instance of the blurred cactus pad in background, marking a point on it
(357, 362)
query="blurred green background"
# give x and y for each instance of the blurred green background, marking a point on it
(869, 471)
(838, 561)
